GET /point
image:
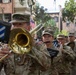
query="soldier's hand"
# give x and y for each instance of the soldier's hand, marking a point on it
(3, 51)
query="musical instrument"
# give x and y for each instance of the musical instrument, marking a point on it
(21, 40)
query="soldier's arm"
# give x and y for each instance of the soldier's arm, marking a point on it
(69, 53)
(40, 57)
(57, 58)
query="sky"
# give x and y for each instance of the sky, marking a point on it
(51, 5)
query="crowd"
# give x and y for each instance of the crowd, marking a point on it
(48, 56)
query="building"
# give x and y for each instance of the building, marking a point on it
(25, 6)
(55, 16)
(68, 26)
(6, 9)
(21, 7)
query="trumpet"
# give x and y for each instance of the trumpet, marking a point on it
(21, 41)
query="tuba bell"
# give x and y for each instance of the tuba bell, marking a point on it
(20, 41)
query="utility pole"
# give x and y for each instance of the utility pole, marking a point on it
(55, 4)
(60, 19)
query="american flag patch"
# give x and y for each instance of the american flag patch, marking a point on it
(2, 31)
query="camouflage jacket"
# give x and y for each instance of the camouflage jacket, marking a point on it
(72, 45)
(64, 66)
(33, 63)
(52, 70)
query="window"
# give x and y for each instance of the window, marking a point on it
(6, 1)
(7, 17)
(56, 19)
(67, 23)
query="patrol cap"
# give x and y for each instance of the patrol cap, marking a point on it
(60, 36)
(71, 34)
(47, 31)
(20, 17)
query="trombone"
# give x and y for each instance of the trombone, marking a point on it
(21, 41)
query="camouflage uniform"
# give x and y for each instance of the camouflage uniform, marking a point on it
(52, 70)
(32, 63)
(73, 46)
(64, 66)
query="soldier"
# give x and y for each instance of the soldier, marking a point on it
(52, 51)
(32, 63)
(72, 44)
(64, 66)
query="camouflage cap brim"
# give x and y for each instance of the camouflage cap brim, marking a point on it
(46, 33)
(16, 21)
(19, 17)
(60, 36)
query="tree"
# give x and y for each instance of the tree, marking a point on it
(42, 17)
(69, 11)
(40, 14)
(52, 24)
(64, 32)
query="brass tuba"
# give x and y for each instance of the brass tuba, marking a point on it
(21, 41)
